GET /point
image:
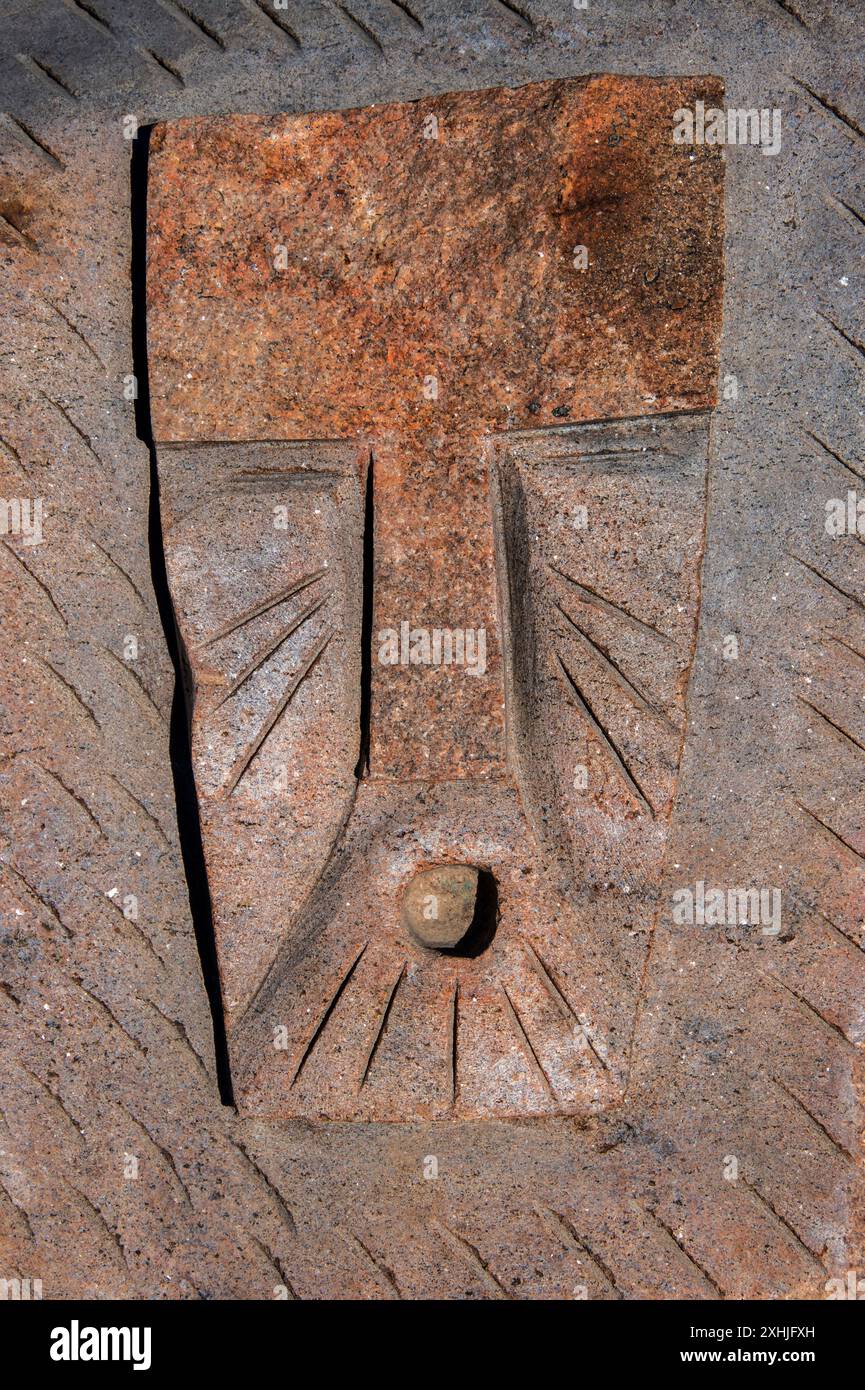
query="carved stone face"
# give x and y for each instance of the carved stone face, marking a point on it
(431, 387)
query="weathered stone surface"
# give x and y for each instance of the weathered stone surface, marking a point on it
(345, 276)
(414, 249)
(746, 1046)
(317, 275)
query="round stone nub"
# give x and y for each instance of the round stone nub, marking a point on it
(439, 904)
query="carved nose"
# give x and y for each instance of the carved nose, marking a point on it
(438, 905)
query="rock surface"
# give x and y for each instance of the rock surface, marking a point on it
(747, 1047)
(310, 276)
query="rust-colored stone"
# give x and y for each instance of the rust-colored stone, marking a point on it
(406, 256)
(407, 280)
(344, 276)
(747, 1046)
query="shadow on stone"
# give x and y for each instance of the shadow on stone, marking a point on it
(484, 922)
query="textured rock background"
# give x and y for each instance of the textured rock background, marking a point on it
(747, 1046)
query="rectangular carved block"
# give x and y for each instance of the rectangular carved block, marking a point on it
(383, 346)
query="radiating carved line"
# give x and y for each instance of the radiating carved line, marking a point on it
(475, 1259)
(833, 834)
(358, 24)
(286, 1215)
(517, 11)
(585, 710)
(29, 241)
(120, 570)
(599, 425)
(615, 673)
(47, 74)
(278, 22)
(839, 932)
(264, 607)
(549, 984)
(405, 9)
(248, 755)
(20, 1212)
(178, 1028)
(275, 1263)
(818, 1124)
(782, 1221)
(287, 474)
(82, 434)
(378, 1265)
(69, 1121)
(136, 801)
(72, 793)
(830, 108)
(38, 582)
(31, 138)
(841, 643)
(793, 13)
(851, 598)
(810, 1008)
(841, 732)
(854, 213)
(382, 1024)
(166, 1154)
(7, 221)
(8, 993)
(270, 649)
(106, 1008)
(33, 892)
(164, 65)
(103, 903)
(130, 673)
(140, 936)
(100, 1219)
(188, 15)
(526, 1043)
(853, 342)
(67, 685)
(596, 600)
(562, 1229)
(836, 456)
(680, 1245)
(286, 1280)
(546, 977)
(74, 329)
(320, 1026)
(622, 451)
(84, 10)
